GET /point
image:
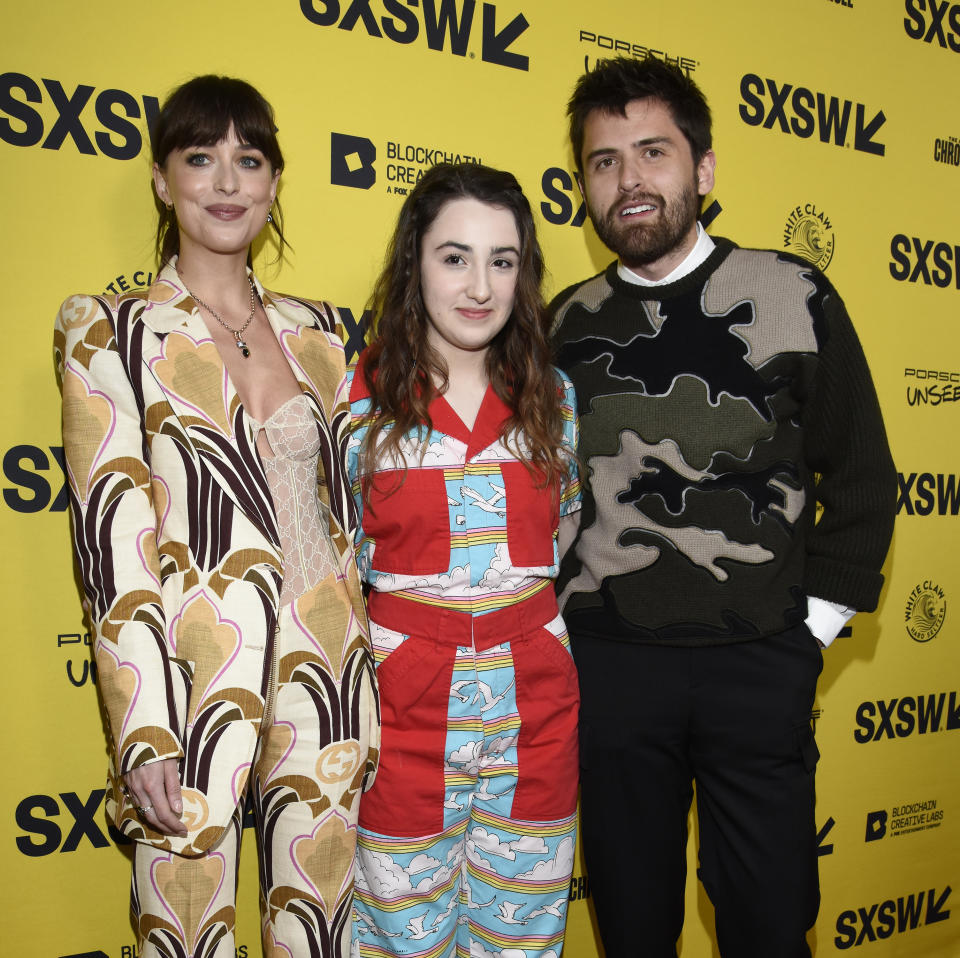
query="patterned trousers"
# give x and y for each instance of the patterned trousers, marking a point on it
(306, 780)
(466, 842)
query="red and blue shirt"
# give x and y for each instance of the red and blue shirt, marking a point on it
(461, 521)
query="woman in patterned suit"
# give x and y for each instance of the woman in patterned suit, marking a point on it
(204, 426)
(462, 462)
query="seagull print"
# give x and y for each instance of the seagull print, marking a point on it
(487, 505)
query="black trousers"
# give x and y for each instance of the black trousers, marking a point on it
(735, 719)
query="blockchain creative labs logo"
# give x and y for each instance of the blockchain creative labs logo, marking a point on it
(931, 387)
(808, 233)
(131, 951)
(603, 45)
(925, 611)
(353, 162)
(904, 819)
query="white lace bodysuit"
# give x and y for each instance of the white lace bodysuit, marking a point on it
(302, 518)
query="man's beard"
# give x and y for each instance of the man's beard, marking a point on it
(639, 244)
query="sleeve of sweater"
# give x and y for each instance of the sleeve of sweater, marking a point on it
(845, 443)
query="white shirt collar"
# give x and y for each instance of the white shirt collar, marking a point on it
(701, 250)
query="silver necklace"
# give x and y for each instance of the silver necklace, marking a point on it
(241, 345)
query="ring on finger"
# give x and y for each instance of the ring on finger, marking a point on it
(143, 809)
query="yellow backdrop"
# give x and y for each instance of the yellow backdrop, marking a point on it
(837, 126)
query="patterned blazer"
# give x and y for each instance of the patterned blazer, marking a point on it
(177, 541)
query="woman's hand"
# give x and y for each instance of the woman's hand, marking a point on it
(154, 790)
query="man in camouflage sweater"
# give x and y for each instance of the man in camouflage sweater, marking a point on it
(722, 393)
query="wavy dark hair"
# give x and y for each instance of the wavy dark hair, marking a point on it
(615, 82)
(400, 368)
(200, 112)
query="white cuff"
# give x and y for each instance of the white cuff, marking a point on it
(826, 619)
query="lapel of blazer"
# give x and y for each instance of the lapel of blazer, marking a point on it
(186, 364)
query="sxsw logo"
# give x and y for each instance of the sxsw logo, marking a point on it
(443, 25)
(355, 331)
(800, 111)
(917, 26)
(45, 832)
(901, 717)
(563, 203)
(115, 134)
(823, 846)
(39, 818)
(928, 494)
(913, 260)
(891, 917)
(26, 467)
(351, 161)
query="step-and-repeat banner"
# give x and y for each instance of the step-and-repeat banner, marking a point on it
(837, 130)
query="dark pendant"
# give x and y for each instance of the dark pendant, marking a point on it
(242, 346)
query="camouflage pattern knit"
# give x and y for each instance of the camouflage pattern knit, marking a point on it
(715, 412)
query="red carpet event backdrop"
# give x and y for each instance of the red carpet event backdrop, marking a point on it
(837, 133)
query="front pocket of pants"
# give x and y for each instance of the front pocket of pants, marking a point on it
(807, 746)
(406, 799)
(548, 701)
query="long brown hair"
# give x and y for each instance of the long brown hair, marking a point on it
(400, 367)
(200, 112)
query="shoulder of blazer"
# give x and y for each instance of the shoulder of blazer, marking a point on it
(308, 312)
(84, 309)
(87, 323)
